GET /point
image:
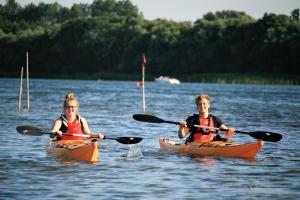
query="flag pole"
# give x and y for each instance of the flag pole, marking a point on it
(143, 82)
(143, 88)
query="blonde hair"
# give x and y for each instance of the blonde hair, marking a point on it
(200, 97)
(70, 97)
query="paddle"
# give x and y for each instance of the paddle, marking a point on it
(33, 131)
(260, 135)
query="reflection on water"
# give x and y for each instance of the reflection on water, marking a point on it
(207, 161)
(143, 171)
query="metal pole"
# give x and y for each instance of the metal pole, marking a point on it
(143, 88)
(27, 78)
(20, 89)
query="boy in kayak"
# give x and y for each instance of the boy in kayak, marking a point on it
(70, 122)
(209, 124)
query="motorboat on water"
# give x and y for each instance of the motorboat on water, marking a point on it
(166, 79)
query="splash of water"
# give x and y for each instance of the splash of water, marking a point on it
(134, 152)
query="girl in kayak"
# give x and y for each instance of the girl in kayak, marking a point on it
(209, 122)
(71, 122)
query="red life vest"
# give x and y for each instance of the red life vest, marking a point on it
(199, 136)
(72, 128)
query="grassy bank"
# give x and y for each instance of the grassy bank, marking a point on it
(231, 78)
(248, 78)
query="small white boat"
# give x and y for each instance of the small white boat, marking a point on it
(166, 79)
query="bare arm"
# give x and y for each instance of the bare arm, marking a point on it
(85, 127)
(183, 129)
(223, 126)
(87, 130)
(228, 133)
(56, 126)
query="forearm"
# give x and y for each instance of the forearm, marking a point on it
(182, 131)
(223, 126)
(56, 126)
(230, 131)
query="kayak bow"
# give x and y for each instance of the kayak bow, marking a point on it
(83, 150)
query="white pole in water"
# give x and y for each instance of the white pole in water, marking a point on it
(143, 87)
(143, 81)
(20, 90)
(27, 78)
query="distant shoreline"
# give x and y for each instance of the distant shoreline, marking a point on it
(226, 78)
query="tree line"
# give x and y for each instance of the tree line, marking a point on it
(109, 36)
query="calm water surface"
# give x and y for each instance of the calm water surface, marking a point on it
(27, 172)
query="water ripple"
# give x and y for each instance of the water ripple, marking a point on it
(27, 172)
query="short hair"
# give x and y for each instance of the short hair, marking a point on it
(200, 97)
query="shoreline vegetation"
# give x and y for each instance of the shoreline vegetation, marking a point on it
(220, 78)
(110, 39)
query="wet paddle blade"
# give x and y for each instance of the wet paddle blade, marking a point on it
(125, 140)
(129, 140)
(147, 118)
(29, 130)
(266, 136)
(151, 119)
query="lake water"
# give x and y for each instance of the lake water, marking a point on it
(27, 172)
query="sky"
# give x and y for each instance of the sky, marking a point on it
(191, 10)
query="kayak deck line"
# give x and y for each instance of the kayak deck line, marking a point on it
(215, 148)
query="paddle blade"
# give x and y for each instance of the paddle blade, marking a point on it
(129, 140)
(125, 140)
(29, 130)
(266, 136)
(147, 118)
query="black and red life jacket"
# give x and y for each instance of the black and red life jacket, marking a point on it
(72, 128)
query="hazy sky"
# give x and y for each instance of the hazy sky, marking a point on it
(190, 10)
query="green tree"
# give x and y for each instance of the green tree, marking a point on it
(113, 8)
(296, 14)
(10, 10)
(80, 10)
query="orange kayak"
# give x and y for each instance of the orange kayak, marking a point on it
(215, 148)
(84, 150)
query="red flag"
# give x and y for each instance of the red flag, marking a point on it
(144, 60)
(139, 84)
